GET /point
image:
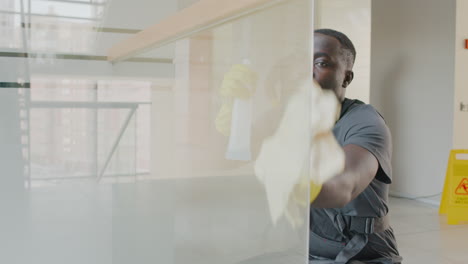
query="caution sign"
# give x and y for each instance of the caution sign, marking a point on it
(462, 188)
(454, 201)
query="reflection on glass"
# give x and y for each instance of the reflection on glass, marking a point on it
(43, 25)
(139, 161)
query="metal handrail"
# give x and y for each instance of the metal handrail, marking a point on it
(116, 143)
(133, 106)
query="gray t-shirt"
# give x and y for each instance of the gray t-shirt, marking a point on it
(360, 124)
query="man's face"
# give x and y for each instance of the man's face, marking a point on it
(330, 65)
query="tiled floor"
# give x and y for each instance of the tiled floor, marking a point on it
(424, 237)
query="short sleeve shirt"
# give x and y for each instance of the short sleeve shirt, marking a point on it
(360, 124)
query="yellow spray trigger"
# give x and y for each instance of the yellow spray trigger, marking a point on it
(223, 119)
(239, 82)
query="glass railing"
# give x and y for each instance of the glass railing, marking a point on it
(177, 152)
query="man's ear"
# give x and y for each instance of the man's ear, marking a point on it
(349, 76)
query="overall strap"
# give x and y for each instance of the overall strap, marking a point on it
(361, 228)
(352, 248)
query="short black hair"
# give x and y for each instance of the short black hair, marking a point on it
(342, 38)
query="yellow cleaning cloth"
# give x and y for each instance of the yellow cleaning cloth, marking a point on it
(282, 161)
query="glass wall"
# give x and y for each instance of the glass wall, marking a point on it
(164, 157)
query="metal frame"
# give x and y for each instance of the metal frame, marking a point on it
(116, 142)
(89, 177)
(132, 106)
(74, 2)
(45, 15)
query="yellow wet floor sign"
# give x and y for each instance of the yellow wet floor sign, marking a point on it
(462, 188)
(454, 201)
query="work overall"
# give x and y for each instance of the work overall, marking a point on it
(360, 230)
(354, 231)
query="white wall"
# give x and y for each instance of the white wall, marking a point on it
(354, 19)
(412, 71)
(460, 128)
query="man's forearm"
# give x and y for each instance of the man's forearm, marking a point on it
(335, 193)
(360, 169)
